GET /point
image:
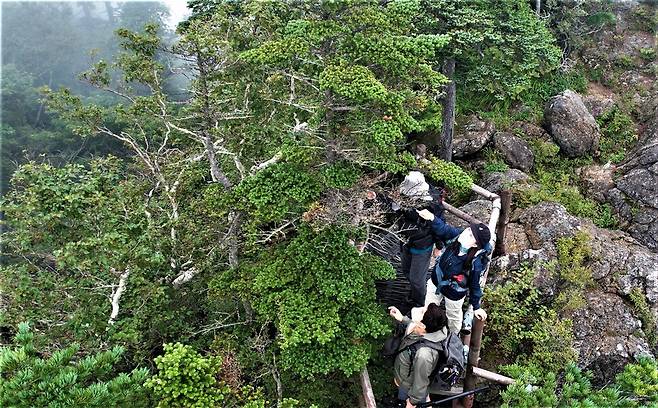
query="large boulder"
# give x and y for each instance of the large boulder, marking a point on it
(571, 125)
(472, 137)
(499, 181)
(480, 209)
(515, 150)
(596, 180)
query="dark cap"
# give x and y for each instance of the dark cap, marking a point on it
(481, 233)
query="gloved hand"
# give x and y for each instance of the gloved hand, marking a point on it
(395, 313)
(426, 214)
(480, 314)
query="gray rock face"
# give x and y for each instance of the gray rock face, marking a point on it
(480, 209)
(472, 138)
(596, 180)
(515, 150)
(605, 335)
(571, 125)
(498, 181)
(635, 193)
(607, 329)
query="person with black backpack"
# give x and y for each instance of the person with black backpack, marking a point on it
(428, 357)
(458, 269)
(416, 250)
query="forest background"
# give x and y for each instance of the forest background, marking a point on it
(184, 219)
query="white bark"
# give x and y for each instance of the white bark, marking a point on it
(185, 277)
(267, 163)
(116, 296)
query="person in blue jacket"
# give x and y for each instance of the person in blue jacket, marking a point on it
(458, 269)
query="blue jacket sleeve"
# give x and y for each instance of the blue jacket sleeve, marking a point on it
(479, 265)
(443, 230)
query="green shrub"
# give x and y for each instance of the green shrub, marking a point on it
(455, 178)
(640, 381)
(646, 315)
(62, 380)
(522, 328)
(635, 387)
(648, 54)
(574, 276)
(555, 178)
(624, 61)
(186, 379)
(618, 135)
(494, 161)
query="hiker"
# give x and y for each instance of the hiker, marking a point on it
(413, 369)
(416, 252)
(457, 271)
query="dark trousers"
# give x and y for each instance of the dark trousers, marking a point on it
(414, 267)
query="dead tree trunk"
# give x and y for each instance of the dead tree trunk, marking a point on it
(449, 101)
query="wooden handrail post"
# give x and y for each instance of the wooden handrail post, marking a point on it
(473, 360)
(501, 229)
(366, 386)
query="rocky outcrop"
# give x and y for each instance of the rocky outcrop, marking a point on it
(498, 181)
(571, 125)
(470, 139)
(515, 150)
(480, 209)
(596, 180)
(631, 188)
(606, 334)
(607, 331)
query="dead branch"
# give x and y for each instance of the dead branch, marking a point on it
(116, 295)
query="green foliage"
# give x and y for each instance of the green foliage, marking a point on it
(647, 317)
(70, 232)
(635, 387)
(61, 380)
(186, 379)
(554, 175)
(574, 275)
(618, 135)
(648, 54)
(494, 161)
(340, 175)
(451, 174)
(277, 192)
(501, 48)
(523, 328)
(640, 381)
(319, 291)
(645, 18)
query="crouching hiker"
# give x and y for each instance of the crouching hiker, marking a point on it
(457, 271)
(428, 358)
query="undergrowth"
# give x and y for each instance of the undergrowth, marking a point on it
(555, 177)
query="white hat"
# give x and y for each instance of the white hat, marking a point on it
(414, 185)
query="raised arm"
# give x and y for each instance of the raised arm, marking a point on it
(441, 229)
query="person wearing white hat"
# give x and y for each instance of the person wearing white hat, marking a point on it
(416, 251)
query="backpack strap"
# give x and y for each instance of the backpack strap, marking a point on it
(413, 348)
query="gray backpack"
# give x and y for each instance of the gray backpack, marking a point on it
(451, 359)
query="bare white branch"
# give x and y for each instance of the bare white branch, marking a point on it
(116, 296)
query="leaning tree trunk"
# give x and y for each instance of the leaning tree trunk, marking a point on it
(449, 100)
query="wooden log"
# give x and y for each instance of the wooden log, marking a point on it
(366, 386)
(501, 229)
